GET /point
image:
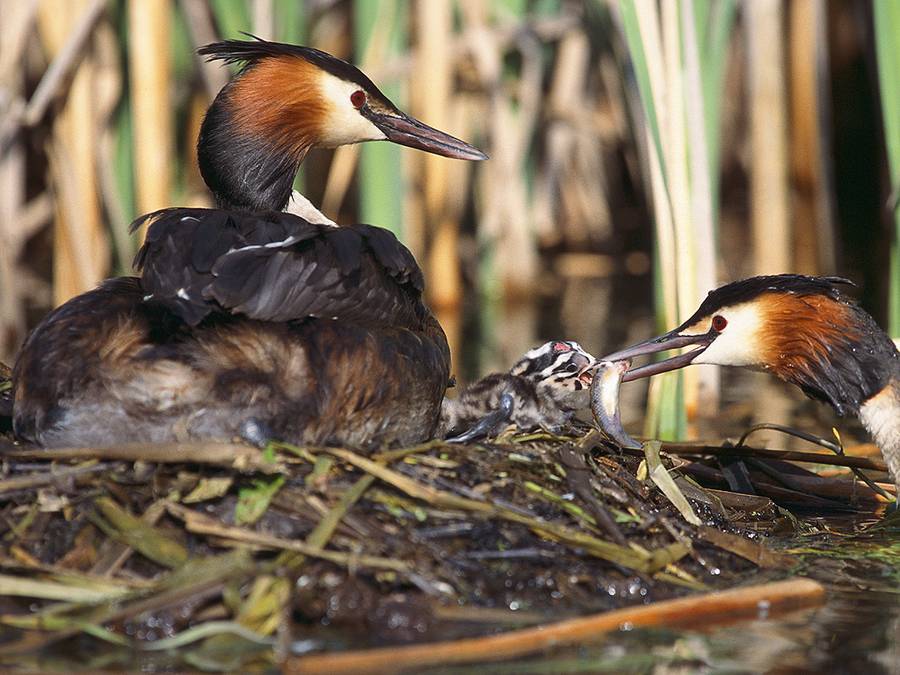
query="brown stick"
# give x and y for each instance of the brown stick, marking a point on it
(66, 59)
(232, 455)
(201, 524)
(743, 602)
(777, 493)
(790, 455)
(33, 480)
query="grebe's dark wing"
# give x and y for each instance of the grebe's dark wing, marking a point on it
(276, 267)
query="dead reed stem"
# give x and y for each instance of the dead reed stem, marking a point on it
(263, 18)
(80, 254)
(505, 220)
(69, 54)
(149, 65)
(766, 91)
(13, 33)
(202, 30)
(49, 477)
(702, 388)
(787, 455)
(434, 26)
(202, 524)
(769, 191)
(811, 183)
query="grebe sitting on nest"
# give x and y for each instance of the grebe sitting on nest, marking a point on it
(247, 321)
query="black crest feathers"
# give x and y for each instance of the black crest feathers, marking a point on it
(251, 52)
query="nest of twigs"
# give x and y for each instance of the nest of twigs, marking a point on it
(226, 556)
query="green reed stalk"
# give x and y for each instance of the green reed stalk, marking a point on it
(290, 21)
(232, 17)
(666, 414)
(380, 174)
(678, 51)
(887, 46)
(714, 21)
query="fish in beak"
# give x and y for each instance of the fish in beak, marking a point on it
(663, 343)
(605, 401)
(400, 128)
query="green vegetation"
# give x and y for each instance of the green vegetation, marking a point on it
(887, 45)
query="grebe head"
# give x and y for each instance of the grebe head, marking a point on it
(285, 100)
(561, 369)
(802, 329)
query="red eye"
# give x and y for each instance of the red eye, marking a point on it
(358, 98)
(719, 322)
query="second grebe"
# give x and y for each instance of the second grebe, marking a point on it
(803, 330)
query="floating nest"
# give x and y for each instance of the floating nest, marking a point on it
(218, 556)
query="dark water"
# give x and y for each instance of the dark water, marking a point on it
(856, 630)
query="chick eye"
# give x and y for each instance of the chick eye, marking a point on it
(571, 367)
(358, 98)
(719, 322)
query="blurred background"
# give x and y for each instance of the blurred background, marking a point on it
(642, 153)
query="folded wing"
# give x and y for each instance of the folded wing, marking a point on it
(276, 267)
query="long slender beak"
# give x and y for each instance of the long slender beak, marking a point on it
(405, 130)
(663, 343)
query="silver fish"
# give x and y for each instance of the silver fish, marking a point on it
(605, 401)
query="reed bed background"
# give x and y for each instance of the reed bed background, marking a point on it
(641, 153)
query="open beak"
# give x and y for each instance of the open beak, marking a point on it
(588, 367)
(405, 130)
(663, 343)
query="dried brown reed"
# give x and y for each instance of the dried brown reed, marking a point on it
(521, 201)
(554, 210)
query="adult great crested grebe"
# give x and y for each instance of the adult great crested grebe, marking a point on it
(245, 317)
(803, 330)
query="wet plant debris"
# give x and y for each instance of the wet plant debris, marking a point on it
(225, 556)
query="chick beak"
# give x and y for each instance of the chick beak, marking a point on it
(662, 343)
(586, 368)
(400, 128)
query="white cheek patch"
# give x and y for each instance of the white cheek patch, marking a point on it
(534, 354)
(344, 124)
(557, 366)
(739, 343)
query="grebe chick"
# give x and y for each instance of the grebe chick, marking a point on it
(6, 398)
(543, 389)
